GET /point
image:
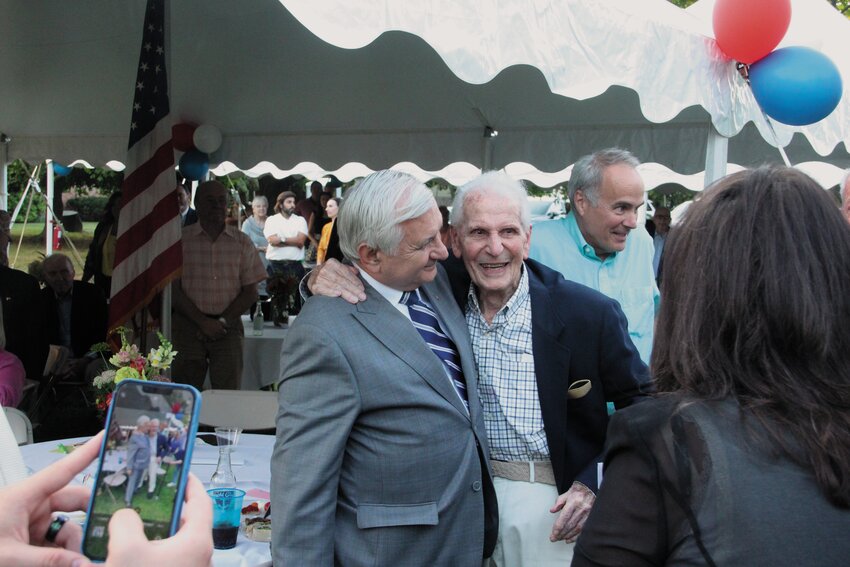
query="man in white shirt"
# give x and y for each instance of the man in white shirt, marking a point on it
(287, 235)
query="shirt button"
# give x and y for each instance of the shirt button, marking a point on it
(476, 486)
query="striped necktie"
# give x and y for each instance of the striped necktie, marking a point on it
(425, 321)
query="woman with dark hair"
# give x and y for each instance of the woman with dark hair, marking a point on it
(744, 456)
(101, 255)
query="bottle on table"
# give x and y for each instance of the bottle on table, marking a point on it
(259, 320)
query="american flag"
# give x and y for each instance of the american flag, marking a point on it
(148, 253)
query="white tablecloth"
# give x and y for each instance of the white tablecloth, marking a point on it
(251, 467)
(261, 355)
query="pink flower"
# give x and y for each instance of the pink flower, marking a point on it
(139, 364)
(103, 404)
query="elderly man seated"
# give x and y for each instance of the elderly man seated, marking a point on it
(75, 316)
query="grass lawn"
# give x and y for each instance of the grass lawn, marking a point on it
(32, 245)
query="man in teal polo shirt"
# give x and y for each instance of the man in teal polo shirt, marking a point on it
(596, 244)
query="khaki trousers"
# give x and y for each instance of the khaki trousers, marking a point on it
(222, 357)
(524, 526)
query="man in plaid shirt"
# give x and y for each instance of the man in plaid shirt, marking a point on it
(221, 270)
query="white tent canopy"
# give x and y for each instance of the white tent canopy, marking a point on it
(556, 79)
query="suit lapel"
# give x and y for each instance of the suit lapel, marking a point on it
(551, 363)
(454, 325)
(398, 335)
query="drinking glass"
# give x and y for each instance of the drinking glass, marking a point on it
(227, 510)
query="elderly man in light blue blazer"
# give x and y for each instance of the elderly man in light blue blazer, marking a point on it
(381, 456)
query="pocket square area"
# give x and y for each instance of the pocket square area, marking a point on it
(579, 389)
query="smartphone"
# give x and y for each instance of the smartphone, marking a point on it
(144, 460)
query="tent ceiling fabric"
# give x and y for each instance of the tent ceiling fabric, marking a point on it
(281, 94)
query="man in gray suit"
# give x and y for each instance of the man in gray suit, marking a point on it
(381, 456)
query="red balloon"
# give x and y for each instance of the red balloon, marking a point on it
(182, 135)
(747, 30)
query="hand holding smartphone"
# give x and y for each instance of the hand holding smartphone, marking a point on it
(144, 457)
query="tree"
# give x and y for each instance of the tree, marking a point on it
(842, 6)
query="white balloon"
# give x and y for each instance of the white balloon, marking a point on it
(207, 138)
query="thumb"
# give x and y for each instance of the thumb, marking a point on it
(126, 530)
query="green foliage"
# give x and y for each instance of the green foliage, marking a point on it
(90, 208)
(669, 200)
(36, 211)
(246, 187)
(19, 173)
(79, 180)
(557, 192)
(842, 6)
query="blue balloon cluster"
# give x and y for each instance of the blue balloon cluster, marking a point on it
(796, 85)
(194, 165)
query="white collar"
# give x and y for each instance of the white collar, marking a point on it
(390, 294)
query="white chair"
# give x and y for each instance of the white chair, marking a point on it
(248, 410)
(20, 424)
(12, 467)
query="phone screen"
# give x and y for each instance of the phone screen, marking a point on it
(144, 459)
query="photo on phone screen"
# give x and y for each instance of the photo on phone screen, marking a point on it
(144, 460)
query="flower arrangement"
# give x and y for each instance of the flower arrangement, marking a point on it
(128, 362)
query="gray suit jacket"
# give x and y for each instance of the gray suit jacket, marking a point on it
(138, 452)
(376, 461)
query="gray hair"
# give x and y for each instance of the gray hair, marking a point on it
(588, 171)
(496, 183)
(56, 257)
(260, 200)
(142, 420)
(376, 207)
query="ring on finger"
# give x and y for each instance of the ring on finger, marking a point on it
(54, 527)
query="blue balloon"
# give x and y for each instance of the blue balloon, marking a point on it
(796, 85)
(194, 165)
(60, 170)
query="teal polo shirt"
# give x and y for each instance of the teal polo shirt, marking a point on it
(625, 276)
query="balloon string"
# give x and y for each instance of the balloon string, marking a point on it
(775, 138)
(744, 70)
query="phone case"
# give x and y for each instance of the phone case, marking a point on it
(191, 433)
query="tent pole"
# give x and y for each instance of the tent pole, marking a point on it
(487, 148)
(487, 155)
(48, 221)
(165, 317)
(4, 175)
(716, 156)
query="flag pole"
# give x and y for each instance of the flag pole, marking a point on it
(165, 315)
